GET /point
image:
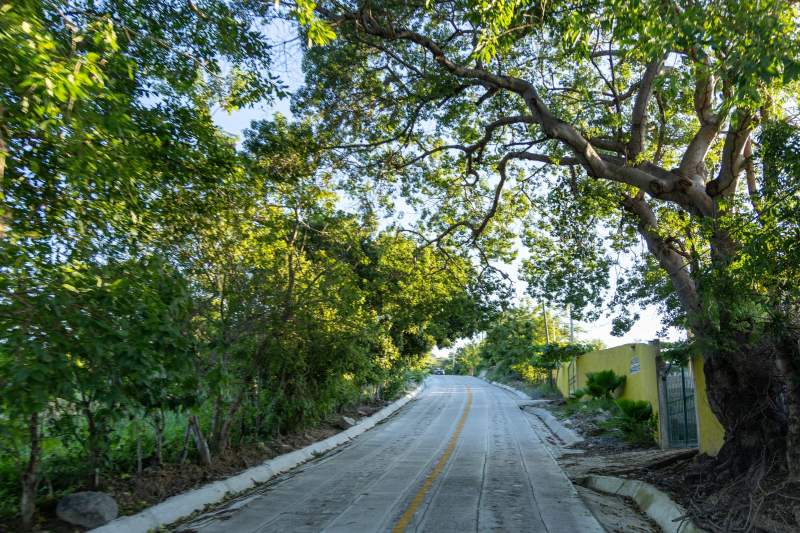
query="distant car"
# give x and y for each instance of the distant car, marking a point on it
(438, 372)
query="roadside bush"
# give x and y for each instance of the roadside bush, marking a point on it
(577, 394)
(603, 384)
(636, 421)
(635, 410)
(534, 375)
(594, 406)
(631, 420)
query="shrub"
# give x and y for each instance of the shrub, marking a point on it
(535, 375)
(636, 421)
(603, 384)
(635, 410)
(577, 394)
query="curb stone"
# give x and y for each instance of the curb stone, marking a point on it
(521, 395)
(182, 505)
(567, 436)
(653, 502)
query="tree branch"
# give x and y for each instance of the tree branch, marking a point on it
(639, 114)
(669, 259)
(665, 185)
(693, 160)
(733, 159)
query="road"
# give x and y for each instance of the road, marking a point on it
(462, 457)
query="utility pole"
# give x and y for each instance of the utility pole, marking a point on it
(571, 328)
(546, 325)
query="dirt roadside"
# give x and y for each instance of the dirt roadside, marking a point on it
(604, 454)
(157, 483)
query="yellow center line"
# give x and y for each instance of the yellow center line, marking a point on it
(404, 520)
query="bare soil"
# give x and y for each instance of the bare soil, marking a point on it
(762, 501)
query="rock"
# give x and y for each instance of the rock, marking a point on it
(346, 422)
(363, 412)
(87, 509)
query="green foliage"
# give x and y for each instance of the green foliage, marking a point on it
(468, 359)
(631, 420)
(556, 354)
(603, 384)
(577, 394)
(151, 269)
(635, 410)
(188, 278)
(636, 421)
(516, 345)
(518, 336)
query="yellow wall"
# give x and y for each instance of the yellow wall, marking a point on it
(710, 432)
(642, 385)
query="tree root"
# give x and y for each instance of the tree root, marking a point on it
(762, 499)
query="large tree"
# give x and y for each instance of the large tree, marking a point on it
(606, 125)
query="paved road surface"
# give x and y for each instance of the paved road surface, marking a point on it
(462, 457)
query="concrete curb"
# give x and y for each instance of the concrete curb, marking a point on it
(521, 395)
(182, 505)
(566, 435)
(653, 502)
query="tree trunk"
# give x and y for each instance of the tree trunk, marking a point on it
(225, 430)
(787, 368)
(200, 441)
(259, 418)
(29, 475)
(4, 218)
(216, 424)
(742, 390)
(138, 448)
(158, 425)
(94, 447)
(185, 449)
(546, 324)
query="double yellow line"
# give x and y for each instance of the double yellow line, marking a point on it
(405, 519)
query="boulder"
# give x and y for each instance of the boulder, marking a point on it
(346, 422)
(87, 509)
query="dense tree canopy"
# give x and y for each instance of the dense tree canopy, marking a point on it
(154, 274)
(599, 126)
(151, 268)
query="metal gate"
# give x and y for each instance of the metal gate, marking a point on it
(572, 376)
(680, 399)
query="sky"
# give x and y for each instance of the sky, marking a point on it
(287, 65)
